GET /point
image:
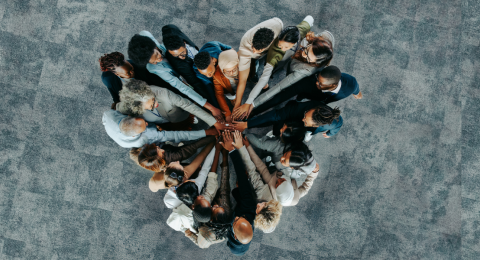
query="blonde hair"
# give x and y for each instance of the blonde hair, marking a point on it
(269, 217)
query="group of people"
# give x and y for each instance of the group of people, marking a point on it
(163, 90)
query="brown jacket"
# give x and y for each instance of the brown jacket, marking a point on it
(222, 85)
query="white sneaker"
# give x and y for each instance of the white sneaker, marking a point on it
(308, 136)
(270, 134)
(195, 120)
(268, 159)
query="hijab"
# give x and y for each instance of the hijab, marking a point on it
(227, 60)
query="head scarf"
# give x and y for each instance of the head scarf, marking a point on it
(227, 60)
(285, 192)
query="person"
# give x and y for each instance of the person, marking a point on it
(225, 79)
(216, 230)
(269, 217)
(277, 185)
(157, 155)
(159, 105)
(196, 207)
(316, 117)
(176, 175)
(130, 132)
(180, 54)
(145, 50)
(206, 60)
(117, 71)
(329, 85)
(287, 39)
(241, 232)
(316, 52)
(254, 45)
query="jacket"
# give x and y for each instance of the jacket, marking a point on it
(171, 107)
(222, 85)
(213, 48)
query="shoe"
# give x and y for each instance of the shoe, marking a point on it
(308, 136)
(195, 120)
(270, 134)
(268, 159)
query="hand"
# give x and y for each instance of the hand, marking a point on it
(223, 127)
(188, 233)
(217, 113)
(227, 141)
(325, 135)
(212, 131)
(240, 126)
(317, 167)
(228, 119)
(242, 112)
(359, 95)
(246, 142)
(159, 128)
(218, 146)
(238, 140)
(266, 86)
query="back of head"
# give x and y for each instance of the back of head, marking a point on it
(140, 49)
(173, 42)
(187, 192)
(202, 214)
(325, 115)
(332, 74)
(110, 61)
(243, 231)
(323, 51)
(128, 126)
(295, 132)
(148, 158)
(290, 34)
(133, 96)
(202, 60)
(301, 155)
(262, 38)
(170, 181)
(269, 217)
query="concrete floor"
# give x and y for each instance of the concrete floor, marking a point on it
(399, 181)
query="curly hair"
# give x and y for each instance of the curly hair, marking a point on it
(108, 62)
(147, 157)
(262, 38)
(202, 60)
(290, 34)
(173, 42)
(218, 229)
(322, 49)
(269, 217)
(141, 49)
(133, 96)
(325, 115)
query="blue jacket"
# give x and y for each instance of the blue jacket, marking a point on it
(213, 48)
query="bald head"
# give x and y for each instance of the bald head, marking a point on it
(243, 231)
(131, 126)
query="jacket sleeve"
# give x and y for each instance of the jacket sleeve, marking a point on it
(113, 83)
(247, 201)
(335, 127)
(261, 167)
(272, 116)
(262, 82)
(307, 184)
(202, 175)
(211, 187)
(247, 161)
(221, 99)
(187, 151)
(356, 89)
(174, 136)
(190, 107)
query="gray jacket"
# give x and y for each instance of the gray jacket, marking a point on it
(171, 108)
(299, 70)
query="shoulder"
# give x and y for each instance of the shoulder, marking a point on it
(347, 78)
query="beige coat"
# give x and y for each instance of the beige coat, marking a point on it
(245, 51)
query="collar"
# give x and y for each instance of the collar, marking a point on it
(337, 89)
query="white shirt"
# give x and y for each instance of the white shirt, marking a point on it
(191, 51)
(171, 200)
(337, 89)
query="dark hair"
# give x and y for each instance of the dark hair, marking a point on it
(325, 115)
(295, 132)
(148, 157)
(201, 214)
(320, 47)
(109, 61)
(141, 49)
(219, 229)
(202, 60)
(187, 192)
(173, 42)
(301, 155)
(170, 181)
(290, 34)
(262, 38)
(332, 73)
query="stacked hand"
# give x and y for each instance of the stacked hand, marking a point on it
(217, 114)
(240, 126)
(232, 141)
(242, 112)
(223, 127)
